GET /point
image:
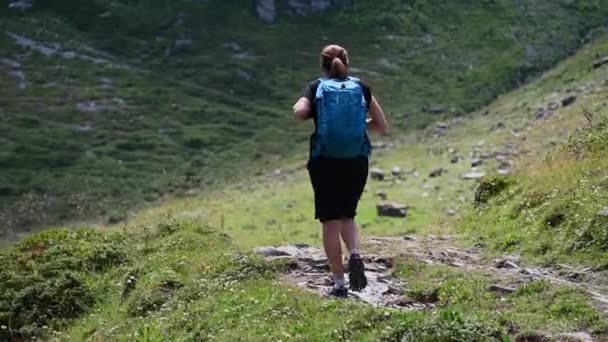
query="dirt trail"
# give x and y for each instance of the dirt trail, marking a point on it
(309, 269)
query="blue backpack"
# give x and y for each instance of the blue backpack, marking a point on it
(341, 120)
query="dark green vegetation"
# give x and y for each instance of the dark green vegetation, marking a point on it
(556, 210)
(191, 94)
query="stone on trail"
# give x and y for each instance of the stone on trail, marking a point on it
(391, 210)
(600, 62)
(553, 106)
(476, 162)
(377, 174)
(474, 175)
(574, 337)
(508, 263)
(437, 172)
(568, 101)
(503, 290)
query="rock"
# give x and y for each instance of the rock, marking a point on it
(437, 172)
(285, 251)
(437, 109)
(382, 195)
(450, 212)
(503, 290)
(17, 74)
(507, 263)
(377, 174)
(574, 337)
(10, 63)
(603, 212)
(474, 175)
(476, 162)
(455, 159)
(543, 113)
(600, 62)
(84, 129)
(21, 5)
(68, 55)
(179, 45)
(266, 10)
(396, 171)
(568, 101)
(391, 210)
(244, 75)
(380, 145)
(532, 337)
(553, 106)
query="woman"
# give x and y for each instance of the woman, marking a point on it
(342, 108)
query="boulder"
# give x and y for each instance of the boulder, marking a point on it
(391, 210)
(568, 101)
(437, 172)
(377, 174)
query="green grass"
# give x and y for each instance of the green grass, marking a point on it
(180, 282)
(189, 121)
(536, 306)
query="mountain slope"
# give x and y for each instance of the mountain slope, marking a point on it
(185, 270)
(140, 100)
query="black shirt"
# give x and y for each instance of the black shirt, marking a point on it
(310, 92)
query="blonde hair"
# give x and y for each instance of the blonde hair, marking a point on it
(334, 61)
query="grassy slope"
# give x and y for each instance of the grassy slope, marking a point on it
(190, 121)
(277, 209)
(192, 281)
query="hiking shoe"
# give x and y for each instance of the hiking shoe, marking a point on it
(338, 292)
(356, 273)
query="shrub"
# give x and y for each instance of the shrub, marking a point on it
(45, 280)
(490, 188)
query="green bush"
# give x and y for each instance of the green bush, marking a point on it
(490, 188)
(46, 279)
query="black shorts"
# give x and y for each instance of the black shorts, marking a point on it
(338, 185)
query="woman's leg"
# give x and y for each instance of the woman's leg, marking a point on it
(350, 235)
(333, 249)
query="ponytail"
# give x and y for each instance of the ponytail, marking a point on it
(338, 69)
(334, 61)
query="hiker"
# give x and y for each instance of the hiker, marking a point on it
(343, 109)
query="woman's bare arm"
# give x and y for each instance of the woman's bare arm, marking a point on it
(302, 109)
(377, 121)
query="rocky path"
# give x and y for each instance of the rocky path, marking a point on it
(308, 269)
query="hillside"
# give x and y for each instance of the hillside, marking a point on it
(524, 259)
(108, 105)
